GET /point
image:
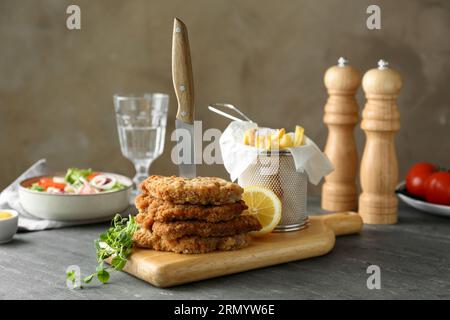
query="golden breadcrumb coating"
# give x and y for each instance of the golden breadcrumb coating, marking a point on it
(199, 190)
(146, 239)
(152, 209)
(179, 229)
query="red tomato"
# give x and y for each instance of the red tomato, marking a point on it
(417, 175)
(48, 182)
(92, 175)
(45, 182)
(437, 188)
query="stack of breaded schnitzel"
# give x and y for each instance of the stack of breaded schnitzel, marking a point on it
(196, 215)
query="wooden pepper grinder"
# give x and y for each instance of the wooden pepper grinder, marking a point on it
(379, 168)
(339, 191)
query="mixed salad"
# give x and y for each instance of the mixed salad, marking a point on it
(78, 181)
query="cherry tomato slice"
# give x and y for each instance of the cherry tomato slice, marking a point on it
(47, 182)
(92, 175)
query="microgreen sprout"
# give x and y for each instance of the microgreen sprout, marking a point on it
(115, 243)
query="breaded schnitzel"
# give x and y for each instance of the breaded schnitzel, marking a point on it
(159, 210)
(199, 190)
(195, 215)
(178, 229)
(146, 239)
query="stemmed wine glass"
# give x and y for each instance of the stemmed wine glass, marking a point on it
(141, 122)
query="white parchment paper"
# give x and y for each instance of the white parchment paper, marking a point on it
(237, 156)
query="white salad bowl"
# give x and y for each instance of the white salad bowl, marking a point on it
(72, 207)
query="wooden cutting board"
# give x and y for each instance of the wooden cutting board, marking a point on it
(165, 269)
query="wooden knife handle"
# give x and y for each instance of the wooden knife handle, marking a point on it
(182, 76)
(343, 223)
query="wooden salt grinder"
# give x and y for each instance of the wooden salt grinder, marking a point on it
(379, 168)
(339, 191)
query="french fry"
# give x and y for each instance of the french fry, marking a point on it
(249, 137)
(281, 132)
(268, 144)
(299, 136)
(260, 142)
(252, 134)
(286, 142)
(277, 140)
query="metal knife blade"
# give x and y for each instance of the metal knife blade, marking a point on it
(183, 84)
(186, 131)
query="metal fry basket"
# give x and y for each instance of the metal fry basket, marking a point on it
(275, 170)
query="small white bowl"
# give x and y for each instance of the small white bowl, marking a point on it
(8, 226)
(73, 207)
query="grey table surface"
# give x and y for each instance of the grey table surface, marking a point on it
(413, 256)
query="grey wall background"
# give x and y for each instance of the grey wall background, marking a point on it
(267, 57)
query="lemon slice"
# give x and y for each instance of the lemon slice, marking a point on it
(265, 205)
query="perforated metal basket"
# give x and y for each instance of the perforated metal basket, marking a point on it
(275, 170)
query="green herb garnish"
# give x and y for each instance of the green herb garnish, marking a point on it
(116, 243)
(71, 276)
(117, 186)
(73, 175)
(36, 187)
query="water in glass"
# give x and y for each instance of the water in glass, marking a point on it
(141, 122)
